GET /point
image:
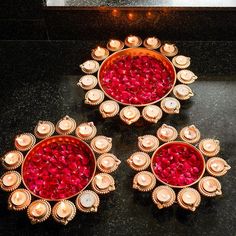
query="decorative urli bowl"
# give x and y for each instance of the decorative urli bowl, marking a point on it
(43, 177)
(136, 79)
(178, 171)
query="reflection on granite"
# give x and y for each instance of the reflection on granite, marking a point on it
(38, 81)
(141, 3)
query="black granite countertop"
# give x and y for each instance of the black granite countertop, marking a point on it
(38, 82)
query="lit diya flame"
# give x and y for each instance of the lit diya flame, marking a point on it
(57, 169)
(179, 165)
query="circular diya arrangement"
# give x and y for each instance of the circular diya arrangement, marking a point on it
(57, 168)
(136, 78)
(177, 166)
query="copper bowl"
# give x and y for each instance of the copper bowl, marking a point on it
(137, 52)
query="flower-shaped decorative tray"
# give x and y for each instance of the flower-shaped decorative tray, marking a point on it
(177, 166)
(58, 168)
(136, 78)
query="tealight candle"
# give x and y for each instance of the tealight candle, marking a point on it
(87, 81)
(129, 113)
(144, 180)
(152, 41)
(209, 185)
(18, 198)
(10, 179)
(24, 140)
(133, 40)
(90, 66)
(163, 195)
(171, 104)
(102, 182)
(12, 158)
(183, 91)
(169, 48)
(87, 199)
(94, 96)
(139, 159)
(43, 128)
(64, 210)
(115, 44)
(181, 60)
(99, 52)
(152, 112)
(186, 75)
(38, 210)
(190, 133)
(65, 124)
(85, 130)
(107, 162)
(166, 132)
(217, 165)
(189, 197)
(109, 108)
(209, 145)
(101, 143)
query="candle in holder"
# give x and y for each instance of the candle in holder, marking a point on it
(24, 142)
(133, 41)
(19, 199)
(115, 45)
(94, 97)
(101, 144)
(167, 133)
(64, 211)
(144, 181)
(170, 105)
(163, 196)
(38, 211)
(90, 66)
(169, 49)
(44, 129)
(66, 125)
(209, 147)
(209, 186)
(99, 53)
(12, 160)
(109, 108)
(152, 43)
(129, 114)
(181, 61)
(148, 143)
(103, 183)
(86, 131)
(87, 82)
(217, 166)
(182, 92)
(190, 134)
(189, 197)
(152, 113)
(139, 161)
(108, 162)
(10, 181)
(87, 201)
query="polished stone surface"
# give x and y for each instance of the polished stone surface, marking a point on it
(38, 82)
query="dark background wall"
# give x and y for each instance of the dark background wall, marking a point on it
(22, 19)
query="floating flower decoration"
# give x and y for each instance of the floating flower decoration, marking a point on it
(58, 168)
(136, 78)
(177, 165)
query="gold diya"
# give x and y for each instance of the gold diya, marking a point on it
(43, 177)
(136, 79)
(183, 168)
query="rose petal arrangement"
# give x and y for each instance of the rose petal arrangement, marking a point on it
(135, 79)
(178, 166)
(57, 168)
